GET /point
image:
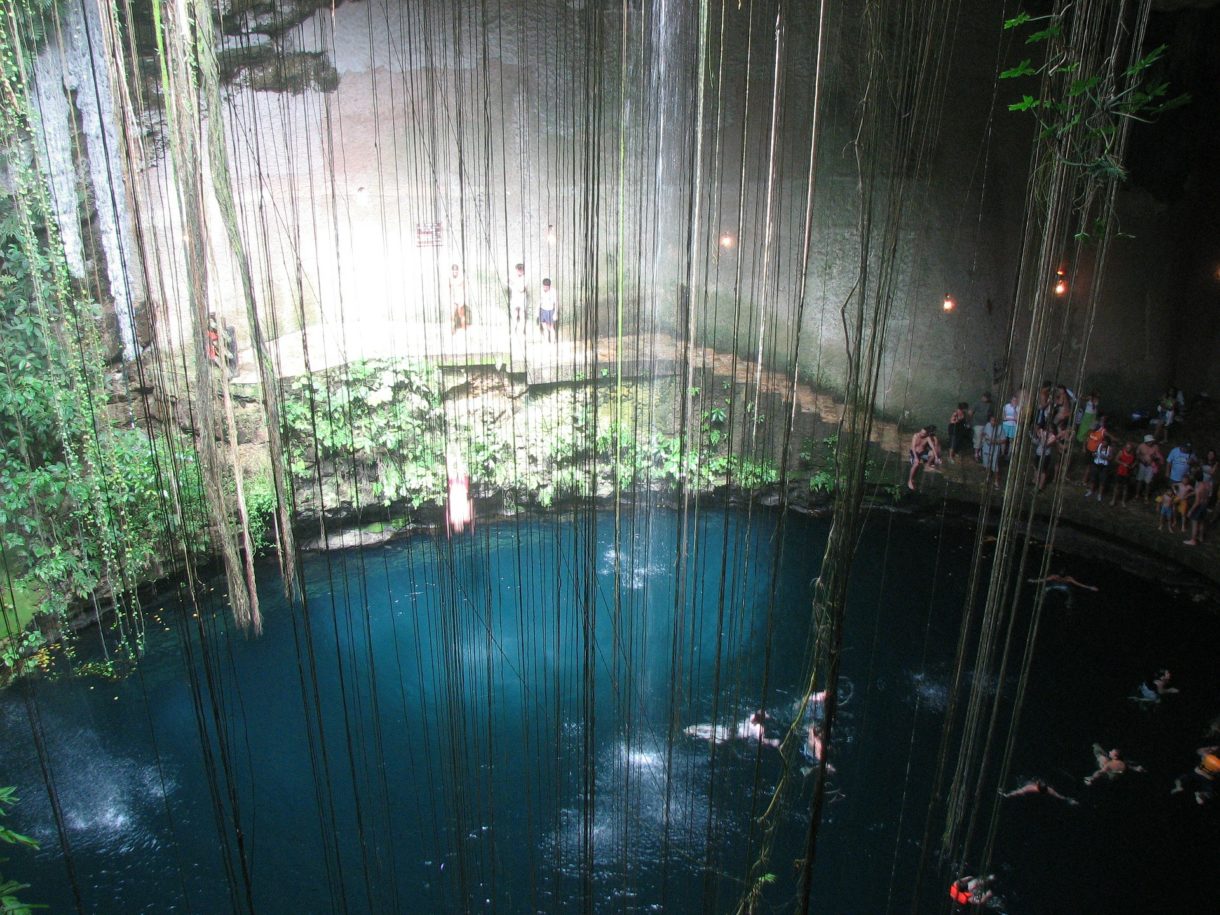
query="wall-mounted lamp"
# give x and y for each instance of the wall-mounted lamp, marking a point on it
(948, 304)
(727, 241)
(550, 235)
(362, 194)
(1061, 283)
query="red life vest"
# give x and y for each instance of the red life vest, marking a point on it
(1094, 439)
(958, 895)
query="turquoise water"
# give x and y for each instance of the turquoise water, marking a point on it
(496, 722)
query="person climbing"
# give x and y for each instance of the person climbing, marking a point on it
(1036, 786)
(1110, 764)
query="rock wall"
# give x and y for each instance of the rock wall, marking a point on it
(376, 143)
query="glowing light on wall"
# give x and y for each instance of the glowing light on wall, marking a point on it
(948, 304)
(550, 235)
(727, 241)
(1061, 283)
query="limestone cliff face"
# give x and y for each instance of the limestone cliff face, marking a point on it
(81, 153)
(376, 143)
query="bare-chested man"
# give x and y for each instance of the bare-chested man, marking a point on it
(925, 449)
(1110, 765)
(1149, 460)
(1196, 514)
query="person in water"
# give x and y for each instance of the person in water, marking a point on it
(755, 728)
(1036, 786)
(966, 891)
(1200, 781)
(752, 728)
(1061, 582)
(1110, 764)
(1152, 689)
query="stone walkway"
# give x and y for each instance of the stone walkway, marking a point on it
(1132, 527)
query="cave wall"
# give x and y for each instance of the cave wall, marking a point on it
(560, 136)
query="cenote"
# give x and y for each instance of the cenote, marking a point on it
(498, 722)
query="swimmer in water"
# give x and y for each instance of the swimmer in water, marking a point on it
(755, 728)
(971, 890)
(1059, 582)
(752, 728)
(1152, 689)
(1110, 765)
(1200, 781)
(1036, 786)
(815, 749)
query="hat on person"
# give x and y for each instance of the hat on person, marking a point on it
(1149, 438)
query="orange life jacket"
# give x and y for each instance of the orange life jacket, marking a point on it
(1094, 439)
(958, 895)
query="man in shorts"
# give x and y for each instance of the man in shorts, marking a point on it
(925, 449)
(1149, 459)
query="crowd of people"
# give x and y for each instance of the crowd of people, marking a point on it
(1075, 437)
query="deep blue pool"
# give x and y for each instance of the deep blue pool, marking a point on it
(497, 722)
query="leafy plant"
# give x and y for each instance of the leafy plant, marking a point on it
(9, 903)
(1080, 107)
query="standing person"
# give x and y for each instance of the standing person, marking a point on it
(1045, 453)
(459, 310)
(979, 416)
(1088, 416)
(1150, 460)
(548, 307)
(957, 430)
(1102, 457)
(1183, 499)
(1012, 410)
(1197, 513)
(1164, 415)
(1124, 464)
(1061, 410)
(925, 449)
(1178, 462)
(991, 442)
(517, 298)
(1164, 510)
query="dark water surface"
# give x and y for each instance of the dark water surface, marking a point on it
(482, 724)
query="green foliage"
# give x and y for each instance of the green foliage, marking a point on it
(82, 504)
(9, 903)
(259, 492)
(19, 646)
(1081, 110)
(823, 481)
(382, 419)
